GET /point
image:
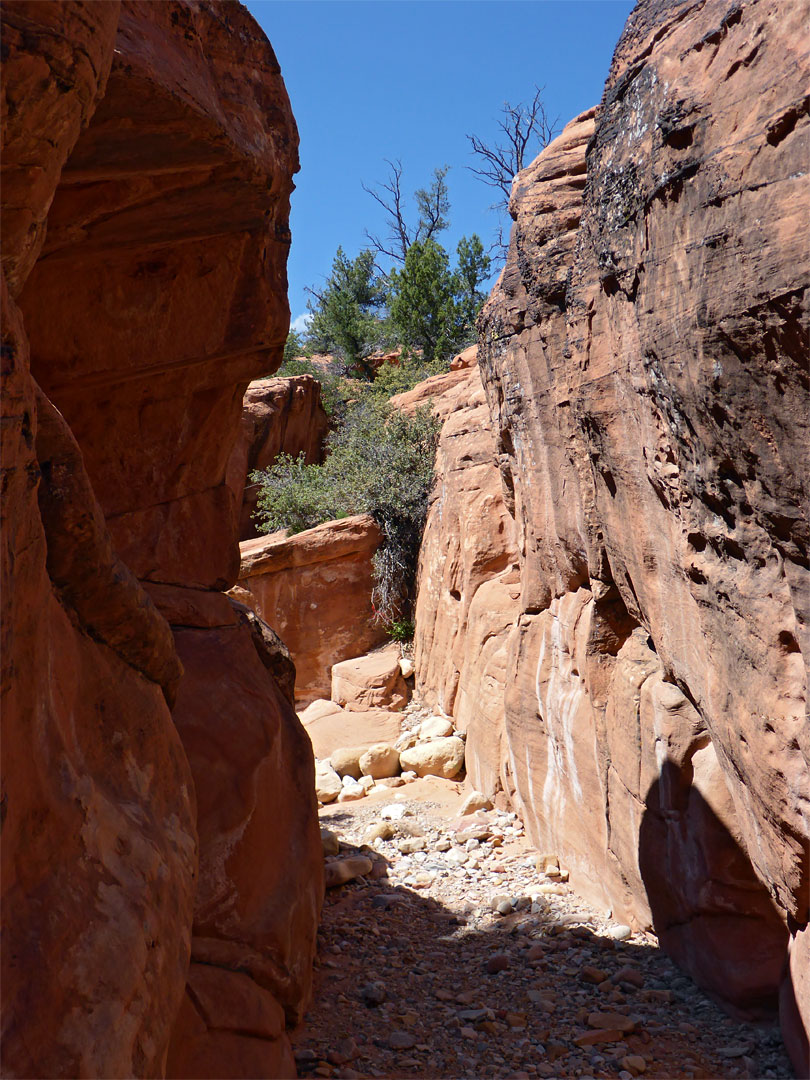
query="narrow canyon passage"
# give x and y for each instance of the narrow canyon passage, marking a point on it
(456, 957)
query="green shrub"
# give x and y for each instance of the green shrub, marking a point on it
(379, 462)
(401, 630)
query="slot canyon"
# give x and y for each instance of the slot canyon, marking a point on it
(565, 832)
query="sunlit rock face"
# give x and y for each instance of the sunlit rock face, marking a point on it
(645, 360)
(148, 158)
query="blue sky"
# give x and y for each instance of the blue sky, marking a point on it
(407, 80)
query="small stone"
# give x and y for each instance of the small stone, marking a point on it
(436, 727)
(342, 870)
(634, 1063)
(536, 952)
(381, 831)
(373, 993)
(610, 1020)
(346, 761)
(351, 792)
(329, 842)
(592, 1038)
(411, 844)
(497, 962)
(468, 1033)
(345, 1051)
(401, 1040)
(593, 975)
(629, 975)
(476, 800)
(406, 667)
(620, 932)
(393, 812)
(504, 907)
(516, 1020)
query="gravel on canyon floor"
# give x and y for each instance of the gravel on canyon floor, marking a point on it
(456, 957)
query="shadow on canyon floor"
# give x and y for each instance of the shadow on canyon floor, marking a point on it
(471, 995)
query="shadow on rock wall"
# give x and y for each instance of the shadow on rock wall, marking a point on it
(711, 912)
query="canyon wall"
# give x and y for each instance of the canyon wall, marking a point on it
(158, 790)
(314, 588)
(645, 361)
(279, 416)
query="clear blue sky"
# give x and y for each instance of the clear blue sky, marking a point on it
(407, 79)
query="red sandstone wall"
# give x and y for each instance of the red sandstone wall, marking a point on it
(645, 359)
(157, 293)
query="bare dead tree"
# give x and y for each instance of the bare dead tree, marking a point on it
(432, 204)
(525, 128)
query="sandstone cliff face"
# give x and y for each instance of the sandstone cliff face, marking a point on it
(279, 416)
(314, 589)
(468, 582)
(158, 292)
(645, 360)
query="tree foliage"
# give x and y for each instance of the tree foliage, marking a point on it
(380, 462)
(345, 313)
(432, 212)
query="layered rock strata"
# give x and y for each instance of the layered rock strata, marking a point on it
(468, 583)
(645, 359)
(279, 416)
(134, 324)
(314, 588)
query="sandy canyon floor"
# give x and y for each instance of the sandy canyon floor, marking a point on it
(456, 958)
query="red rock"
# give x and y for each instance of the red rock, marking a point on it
(368, 682)
(279, 416)
(467, 598)
(98, 837)
(643, 360)
(314, 589)
(168, 221)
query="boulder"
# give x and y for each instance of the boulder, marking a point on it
(380, 761)
(334, 728)
(327, 782)
(439, 757)
(314, 589)
(346, 761)
(370, 682)
(435, 727)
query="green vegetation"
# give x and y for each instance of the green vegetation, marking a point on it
(379, 462)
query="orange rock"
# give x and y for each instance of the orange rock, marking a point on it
(279, 416)
(314, 589)
(651, 419)
(367, 682)
(167, 215)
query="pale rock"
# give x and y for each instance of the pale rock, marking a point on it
(476, 800)
(442, 757)
(406, 667)
(346, 761)
(327, 782)
(370, 682)
(351, 792)
(340, 871)
(329, 842)
(435, 727)
(380, 761)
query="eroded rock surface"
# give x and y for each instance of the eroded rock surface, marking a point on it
(158, 292)
(279, 416)
(314, 589)
(469, 586)
(645, 359)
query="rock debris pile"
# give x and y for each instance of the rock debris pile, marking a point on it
(459, 952)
